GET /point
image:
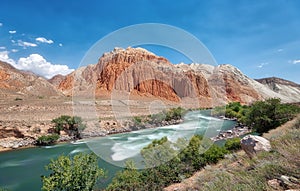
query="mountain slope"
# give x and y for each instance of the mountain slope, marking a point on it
(283, 87)
(140, 72)
(16, 83)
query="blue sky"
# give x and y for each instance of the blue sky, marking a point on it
(262, 37)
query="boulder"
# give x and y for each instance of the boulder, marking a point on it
(253, 144)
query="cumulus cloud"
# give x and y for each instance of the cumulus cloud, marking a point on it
(60, 44)
(2, 47)
(26, 44)
(1, 24)
(296, 61)
(12, 32)
(44, 40)
(5, 58)
(39, 65)
(279, 50)
(14, 50)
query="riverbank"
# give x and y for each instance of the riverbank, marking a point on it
(106, 127)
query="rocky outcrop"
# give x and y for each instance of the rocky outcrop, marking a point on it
(56, 80)
(18, 83)
(253, 144)
(137, 71)
(288, 89)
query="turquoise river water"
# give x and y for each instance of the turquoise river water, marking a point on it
(21, 169)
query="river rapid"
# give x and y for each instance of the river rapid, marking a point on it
(22, 169)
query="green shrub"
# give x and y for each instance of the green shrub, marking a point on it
(79, 173)
(137, 120)
(175, 113)
(72, 125)
(18, 99)
(269, 114)
(214, 154)
(233, 144)
(47, 139)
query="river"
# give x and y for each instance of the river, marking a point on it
(21, 169)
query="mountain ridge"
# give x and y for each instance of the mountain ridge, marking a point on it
(17, 83)
(124, 70)
(138, 71)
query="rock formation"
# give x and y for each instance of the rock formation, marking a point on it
(136, 71)
(283, 87)
(16, 83)
(253, 144)
(139, 72)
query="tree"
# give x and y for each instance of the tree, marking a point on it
(79, 173)
(265, 115)
(47, 139)
(127, 179)
(72, 125)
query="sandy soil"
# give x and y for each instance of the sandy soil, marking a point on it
(31, 118)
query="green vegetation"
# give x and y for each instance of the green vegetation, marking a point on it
(169, 162)
(47, 139)
(233, 144)
(79, 173)
(265, 115)
(166, 165)
(261, 116)
(72, 125)
(3, 189)
(166, 115)
(241, 173)
(18, 99)
(175, 114)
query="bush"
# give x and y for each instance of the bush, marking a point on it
(79, 173)
(175, 113)
(233, 144)
(214, 154)
(47, 139)
(269, 114)
(72, 125)
(137, 120)
(18, 99)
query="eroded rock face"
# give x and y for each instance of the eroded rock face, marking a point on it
(137, 71)
(55, 80)
(253, 144)
(14, 82)
(289, 90)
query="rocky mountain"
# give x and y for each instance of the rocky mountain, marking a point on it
(16, 83)
(283, 87)
(55, 80)
(140, 72)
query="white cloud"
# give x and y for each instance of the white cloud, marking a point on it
(296, 61)
(26, 44)
(14, 50)
(12, 32)
(1, 24)
(5, 58)
(37, 64)
(279, 50)
(60, 44)
(262, 64)
(2, 47)
(44, 40)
